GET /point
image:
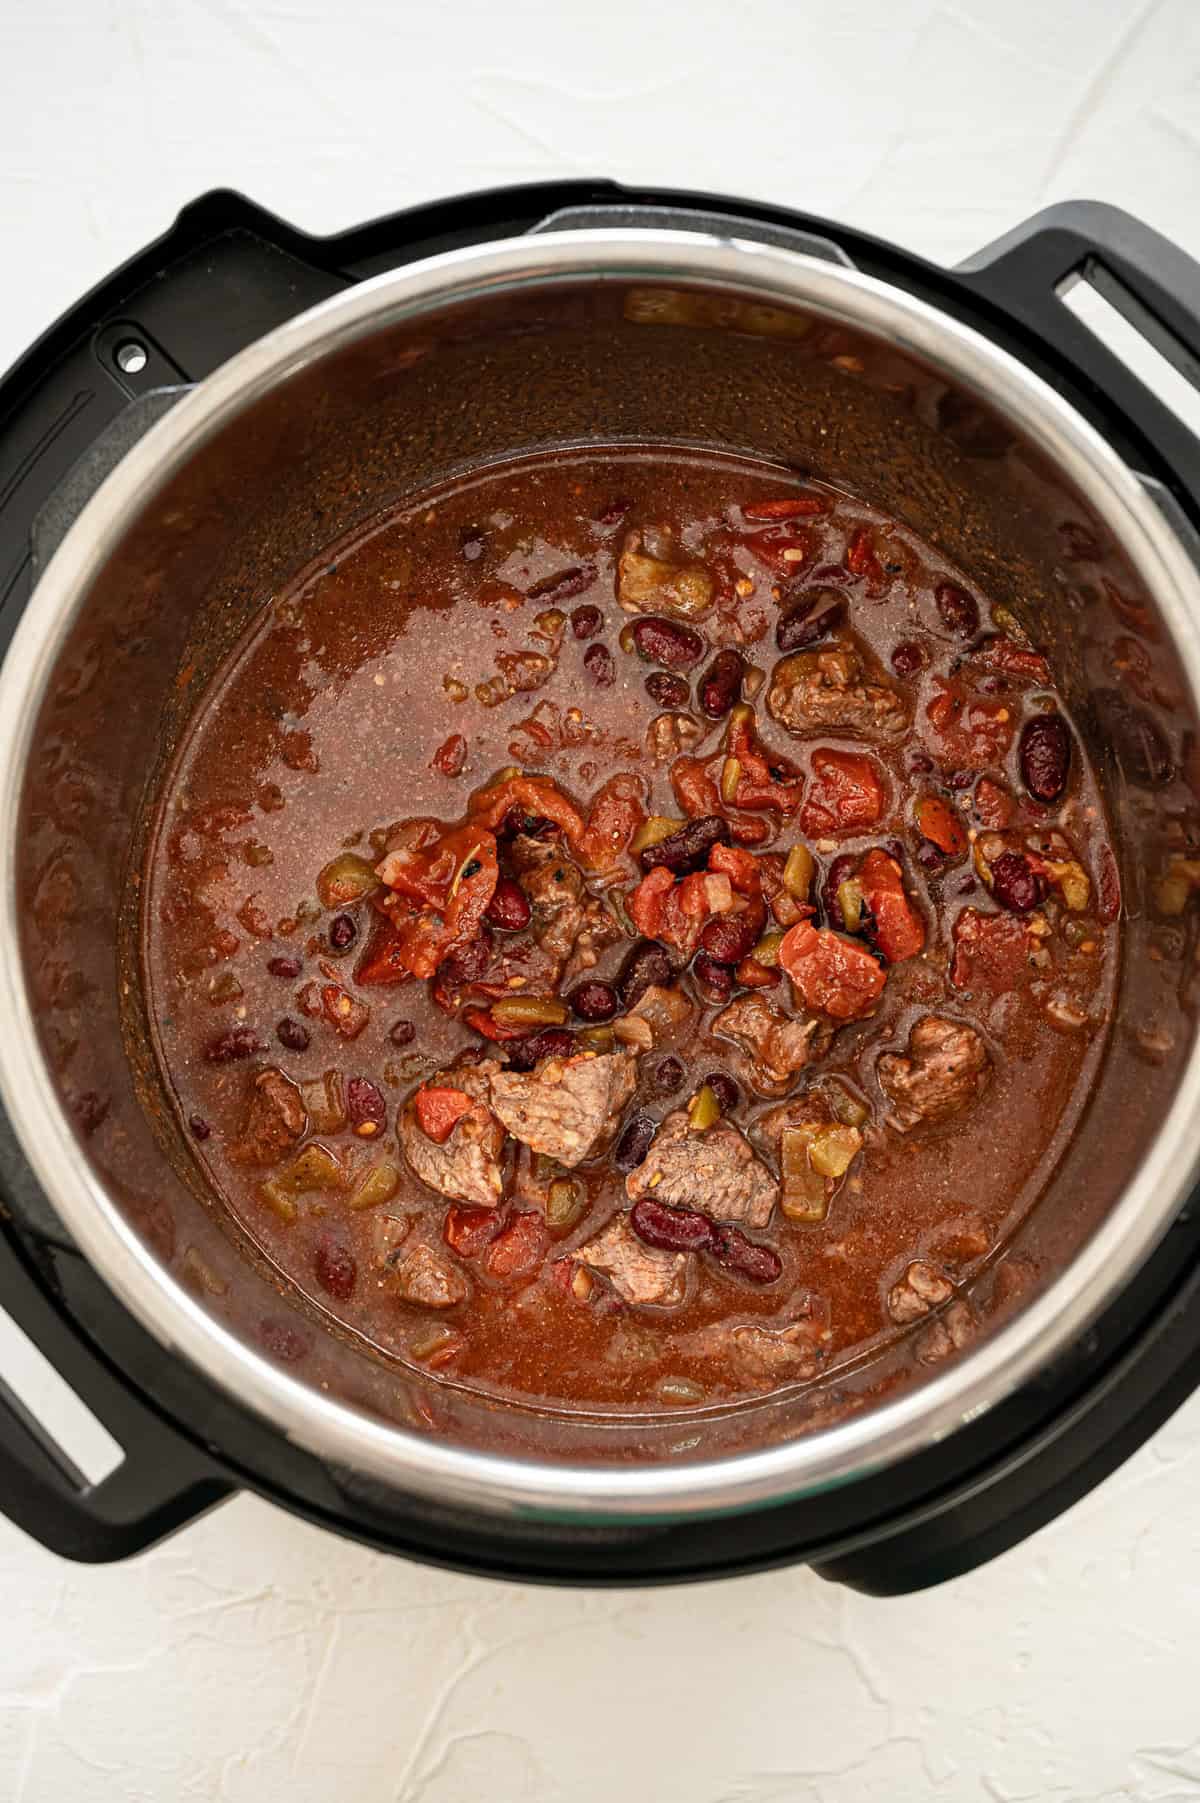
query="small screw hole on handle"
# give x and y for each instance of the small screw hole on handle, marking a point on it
(131, 357)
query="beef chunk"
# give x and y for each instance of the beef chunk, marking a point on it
(466, 1167)
(776, 1044)
(950, 1332)
(570, 927)
(639, 1273)
(275, 1120)
(921, 1289)
(714, 1172)
(566, 1107)
(385, 1236)
(991, 951)
(657, 584)
(765, 1356)
(827, 691)
(429, 1279)
(947, 1067)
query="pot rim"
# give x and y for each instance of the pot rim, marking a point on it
(419, 1464)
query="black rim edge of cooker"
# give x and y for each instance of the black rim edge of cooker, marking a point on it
(313, 267)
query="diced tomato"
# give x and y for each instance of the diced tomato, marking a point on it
(739, 866)
(991, 951)
(971, 731)
(753, 975)
(861, 558)
(836, 976)
(939, 823)
(387, 958)
(467, 1230)
(897, 928)
(646, 904)
(343, 1010)
(439, 1110)
(613, 818)
(1013, 659)
(792, 507)
(697, 794)
(994, 806)
(764, 781)
(423, 860)
(454, 877)
(535, 795)
(783, 549)
(706, 893)
(520, 1249)
(847, 794)
(483, 1022)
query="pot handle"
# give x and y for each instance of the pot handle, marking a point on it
(163, 1481)
(1153, 283)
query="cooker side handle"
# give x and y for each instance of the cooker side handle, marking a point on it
(1153, 283)
(163, 1481)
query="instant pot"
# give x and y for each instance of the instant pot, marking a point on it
(240, 394)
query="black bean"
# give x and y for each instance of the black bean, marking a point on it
(637, 1135)
(292, 1035)
(725, 1089)
(342, 932)
(586, 621)
(594, 1001)
(687, 848)
(284, 967)
(238, 1042)
(598, 662)
(668, 1076)
(839, 872)
(908, 658)
(403, 1033)
(646, 965)
(668, 690)
(551, 1042)
(199, 1126)
(714, 978)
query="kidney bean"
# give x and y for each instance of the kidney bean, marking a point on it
(670, 1229)
(586, 621)
(714, 978)
(1015, 883)
(366, 1109)
(509, 907)
(563, 584)
(958, 611)
(667, 690)
(551, 1042)
(336, 1268)
(725, 1089)
(839, 872)
(666, 642)
(598, 662)
(594, 1001)
(238, 1042)
(342, 932)
(908, 658)
(467, 963)
(201, 1129)
(721, 684)
(817, 613)
(646, 965)
(403, 1032)
(292, 1034)
(729, 937)
(668, 1076)
(284, 967)
(1045, 756)
(747, 1257)
(687, 848)
(635, 1141)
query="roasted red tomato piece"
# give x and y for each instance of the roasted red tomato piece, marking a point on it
(847, 794)
(896, 926)
(439, 1110)
(832, 975)
(969, 731)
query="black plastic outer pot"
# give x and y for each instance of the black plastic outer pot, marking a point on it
(223, 276)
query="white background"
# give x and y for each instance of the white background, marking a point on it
(252, 1657)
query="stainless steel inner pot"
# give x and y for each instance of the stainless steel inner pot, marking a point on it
(584, 336)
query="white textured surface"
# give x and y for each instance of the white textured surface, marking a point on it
(253, 1658)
